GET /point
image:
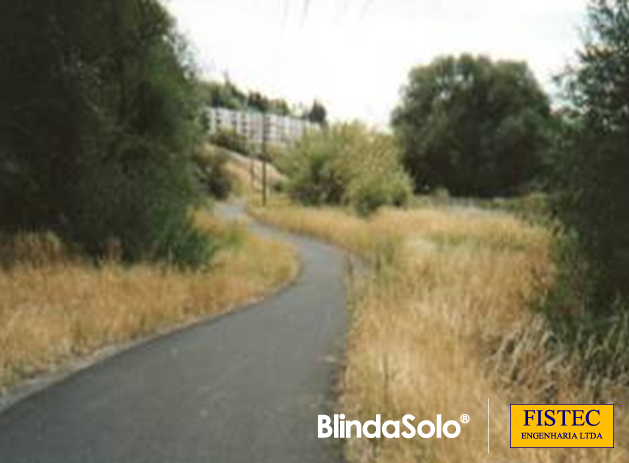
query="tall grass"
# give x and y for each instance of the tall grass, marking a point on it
(444, 322)
(54, 306)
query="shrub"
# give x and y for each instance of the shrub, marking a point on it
(346, 165)
(213, 174)
(593, 200)
(233, 141)
(373, 189)
(314, 168)
(599, 339)
(145, 210)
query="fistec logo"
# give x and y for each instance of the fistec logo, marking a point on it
(562, 426)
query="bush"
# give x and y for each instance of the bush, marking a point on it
(145, 210)
(231, 140)
(588, 302)
(593, 200)
(213, 173)
(372, 190)
(346, 165)
(598, 338)
(97, 125)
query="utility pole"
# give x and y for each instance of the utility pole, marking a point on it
(252, 171)
(252, 163)
(265, 135)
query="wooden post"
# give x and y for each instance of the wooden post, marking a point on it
(264, 182)
(252, 171)
(265, 134)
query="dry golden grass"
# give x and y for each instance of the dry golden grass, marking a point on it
(443, 323)
(242, 167)
(54, 307)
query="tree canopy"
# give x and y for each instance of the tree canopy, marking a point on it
(98, 123)
(222, 94)
(228, 95)
(318, 113)
(473, 126)
(594, 163)
(346, 164)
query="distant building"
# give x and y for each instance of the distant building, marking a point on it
(282, 131)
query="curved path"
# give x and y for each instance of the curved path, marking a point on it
(244, 388)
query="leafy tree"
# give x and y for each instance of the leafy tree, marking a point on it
(98, 122)
(258, 102)
(222, 95)
(346, 164)
(317, 114)
(594, 166)
(228, 95)
(280, 107)
(473, 126)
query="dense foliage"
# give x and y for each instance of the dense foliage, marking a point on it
(233, 141)
(594, 166)
(317, 113)
(98, 122)
(228, 95)
(473, 126)
(346, 165)
(214, 175)
(221, 95)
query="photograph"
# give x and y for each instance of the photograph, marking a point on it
(314, 231)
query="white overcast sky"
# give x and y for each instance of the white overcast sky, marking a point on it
(355, 55)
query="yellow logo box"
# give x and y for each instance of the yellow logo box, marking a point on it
(562, 426)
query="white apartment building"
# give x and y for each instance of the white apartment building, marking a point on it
(281, 131)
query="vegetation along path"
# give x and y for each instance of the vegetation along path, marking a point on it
(246, 387)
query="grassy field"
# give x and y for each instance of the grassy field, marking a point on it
(55, 307)
(443, 323)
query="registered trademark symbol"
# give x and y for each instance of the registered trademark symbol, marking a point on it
(465, 419)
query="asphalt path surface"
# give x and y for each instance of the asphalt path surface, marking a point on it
(244, 388)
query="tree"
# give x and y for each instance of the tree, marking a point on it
(594, 166)
(473, 126)
(221, 95)
(258, 102)
(228, 95)
(98, 123)
(317, 114)
(346, 164)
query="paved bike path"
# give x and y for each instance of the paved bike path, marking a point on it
(243, 388)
